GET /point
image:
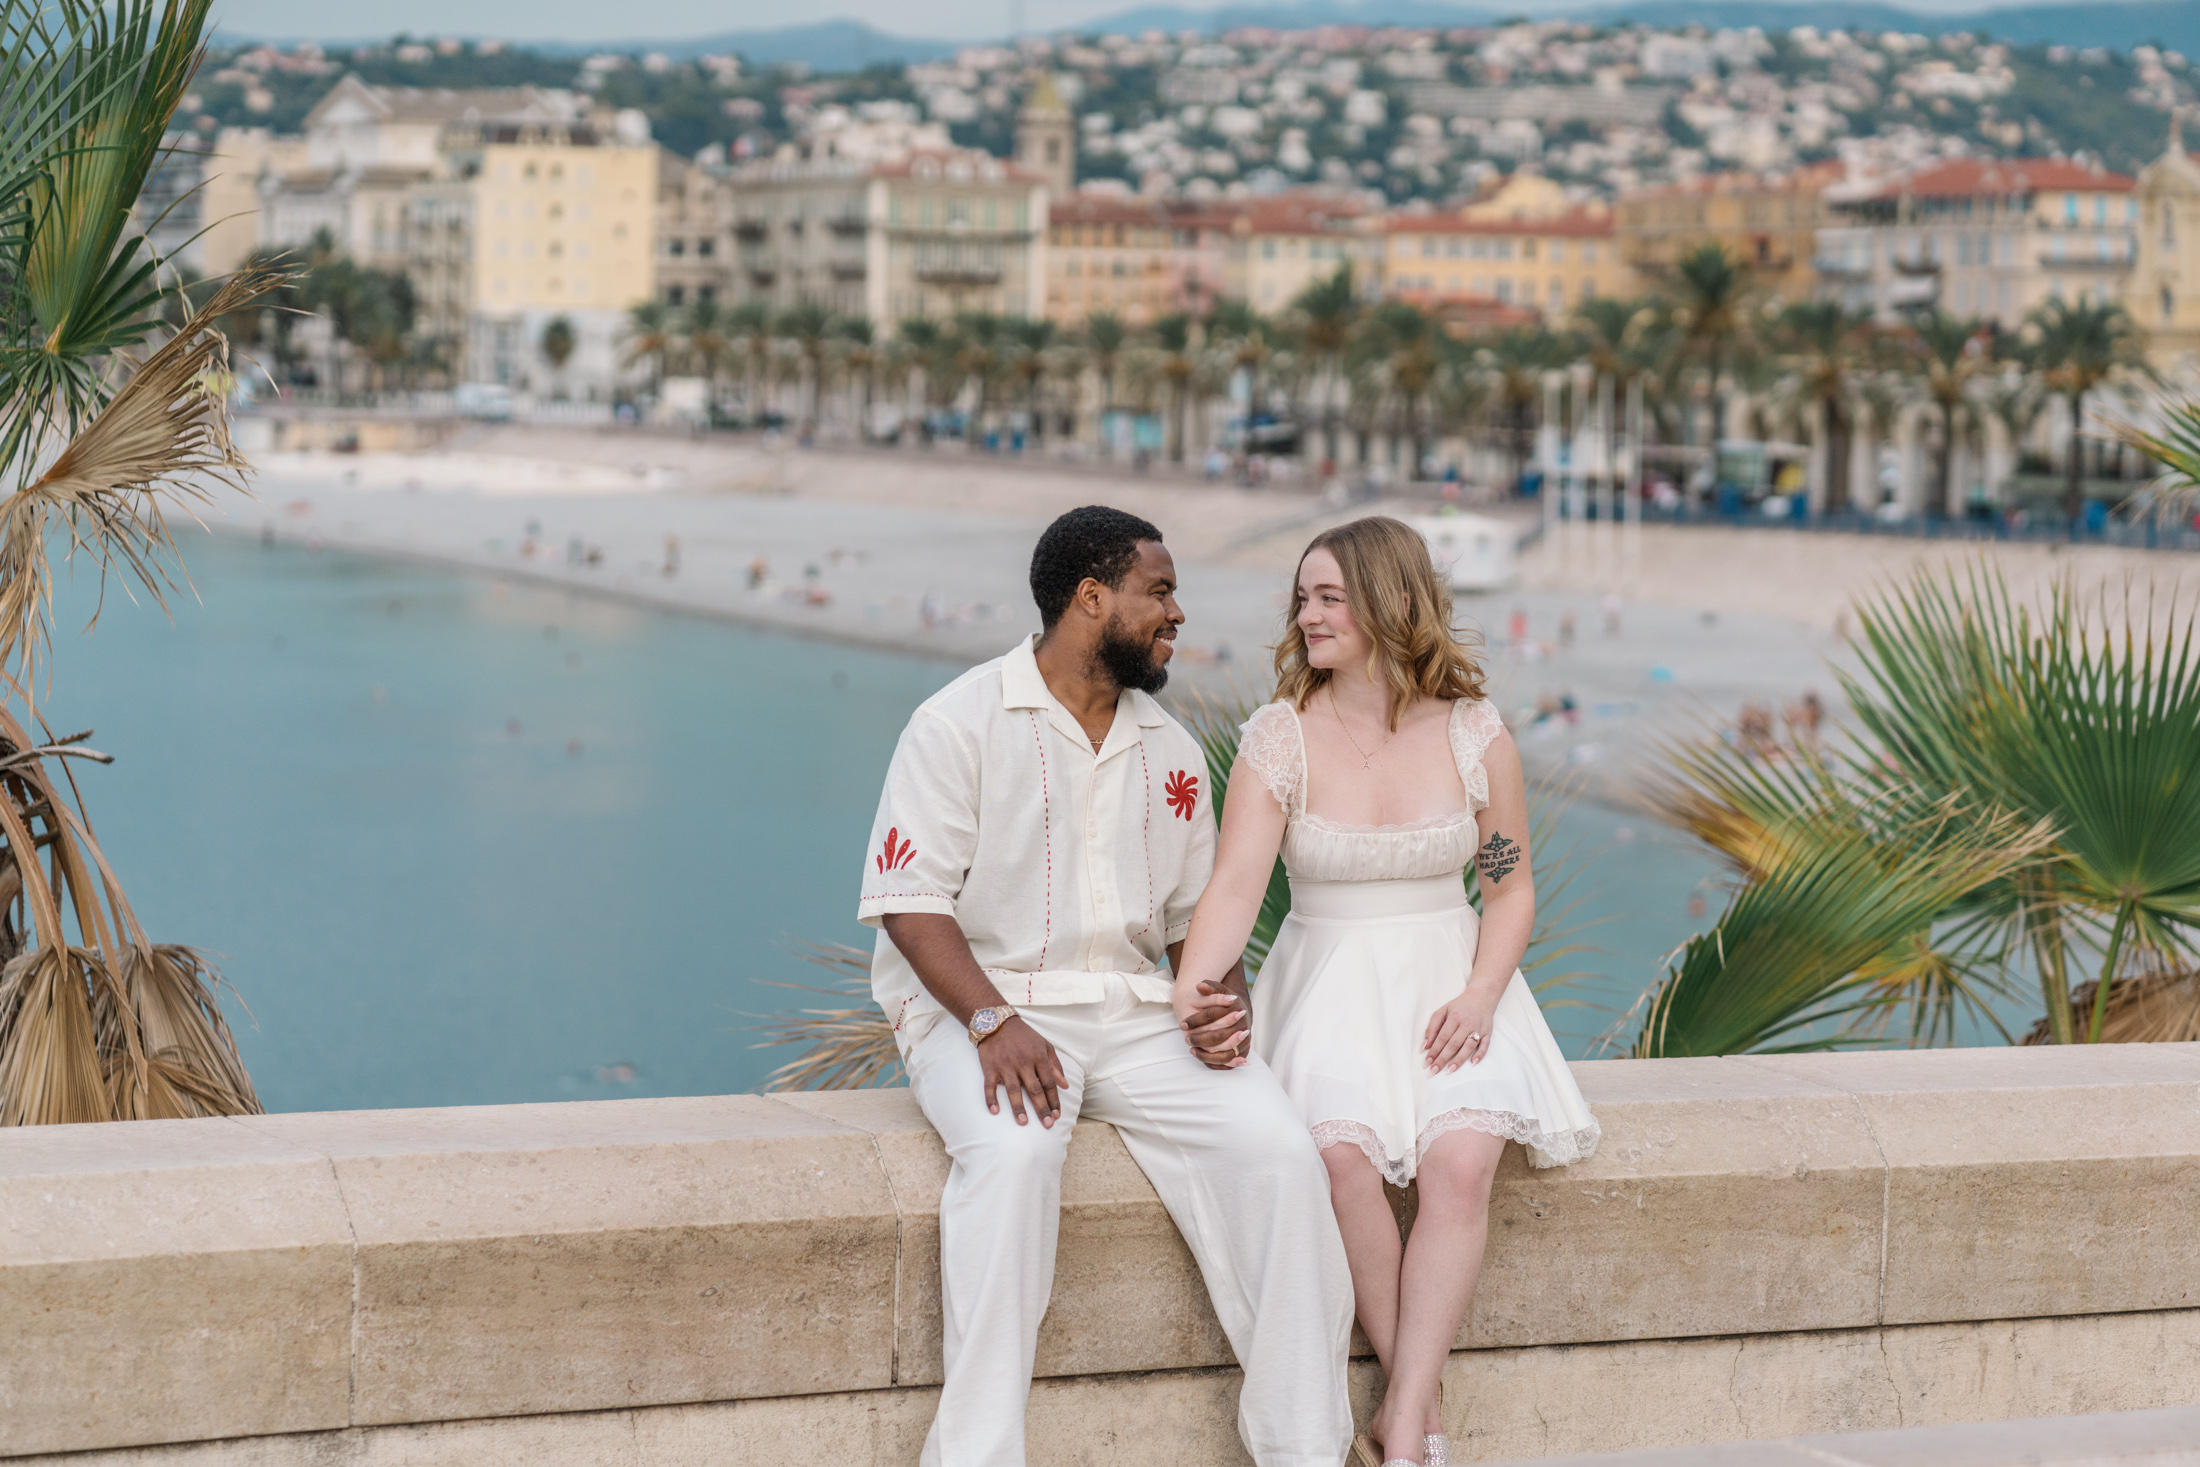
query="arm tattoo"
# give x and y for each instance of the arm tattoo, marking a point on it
(1497, 858)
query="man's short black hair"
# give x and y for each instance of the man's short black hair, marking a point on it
(1093, 541)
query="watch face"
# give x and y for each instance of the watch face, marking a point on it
(985, 1021)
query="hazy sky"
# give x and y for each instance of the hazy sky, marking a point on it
(592, 20)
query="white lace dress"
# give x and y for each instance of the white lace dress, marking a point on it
(1380, 935)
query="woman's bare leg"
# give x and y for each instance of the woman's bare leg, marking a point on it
(1442, 1262)
(1376, 1255)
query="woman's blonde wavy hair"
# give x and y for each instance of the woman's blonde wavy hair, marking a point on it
(1402, 604)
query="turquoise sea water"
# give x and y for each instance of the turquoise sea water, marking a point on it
(460, 842)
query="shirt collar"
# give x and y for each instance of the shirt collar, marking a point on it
(1023, 686)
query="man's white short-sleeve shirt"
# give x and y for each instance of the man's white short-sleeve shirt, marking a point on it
(1061, 865)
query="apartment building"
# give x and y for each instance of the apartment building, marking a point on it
(1283, 243)
(694, 232)
(1769, 222)
(2163, 291)
(229, 192)
(1457, 262)
(888, 220)
(528, 226)
(1133, 257)
(1991, 238)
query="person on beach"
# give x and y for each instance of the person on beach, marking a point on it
(1044, 834)
(1395, 1018)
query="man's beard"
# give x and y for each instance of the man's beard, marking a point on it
(1129, 661)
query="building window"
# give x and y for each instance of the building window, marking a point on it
(703, 247)
(675, 295)
(1527, 249)
(2070, 208)
(1558, 252)
(2169, 304)
(1588, 252)
(1505, 289)
(675, 247)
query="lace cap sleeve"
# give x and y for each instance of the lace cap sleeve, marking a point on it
(1270, 748)
(1475, 725)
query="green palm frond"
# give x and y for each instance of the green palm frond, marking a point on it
(1796, 959)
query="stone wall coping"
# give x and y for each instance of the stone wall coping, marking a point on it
(174, 1281)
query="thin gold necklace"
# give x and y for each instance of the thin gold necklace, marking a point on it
(1366, 757)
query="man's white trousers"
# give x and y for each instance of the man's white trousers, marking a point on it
(1232, 1161)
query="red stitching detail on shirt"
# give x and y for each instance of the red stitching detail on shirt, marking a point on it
(1046, 823)
(1146, 837)
(903, 1012)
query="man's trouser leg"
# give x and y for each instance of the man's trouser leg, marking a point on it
(999, 1216)
(1231, 1159)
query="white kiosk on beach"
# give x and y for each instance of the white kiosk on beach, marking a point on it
(1473, 552)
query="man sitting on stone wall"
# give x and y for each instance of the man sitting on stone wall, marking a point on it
(1044, 834)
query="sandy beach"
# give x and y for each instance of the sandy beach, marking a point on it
(926, 552)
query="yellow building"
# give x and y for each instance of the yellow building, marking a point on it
(1547, 265)
(1135, 258)
(1283, 243)
(527, 229)
(1769, 222)
(2163, 292)
(229, 196)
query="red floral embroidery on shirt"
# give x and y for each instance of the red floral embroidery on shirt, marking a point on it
(895, 857)
(1182, 792)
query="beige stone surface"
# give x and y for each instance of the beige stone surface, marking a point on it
(522, 1259)
(1721, 1200)
(2168, 1438)
(2031, 1182)
(1127, 1294)
(168, 1280)
(1501, 1405)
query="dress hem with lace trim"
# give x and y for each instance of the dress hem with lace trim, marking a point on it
(1545, 1148)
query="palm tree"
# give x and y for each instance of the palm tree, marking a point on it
(1710, 297)
(650, 339)
(1106, 337)
(1177, 336)
(1947, 355)
(1514, 362)
(2019, 796)
(104, 434)
(2076, 347)
(1406, 348)
(1239, 328)
(808, 327)
(748, 330)
(1027, 365)
(1328, 313)
(861, 358)
(1828, 349)
(557, 344)
(704, 326)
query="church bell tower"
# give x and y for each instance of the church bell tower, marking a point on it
(1046, 137)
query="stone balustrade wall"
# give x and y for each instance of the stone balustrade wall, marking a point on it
(1763, 1247)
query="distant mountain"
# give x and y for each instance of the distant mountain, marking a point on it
(2172, 23)
(826, 45)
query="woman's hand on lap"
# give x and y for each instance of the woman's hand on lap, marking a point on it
(1459, 1032)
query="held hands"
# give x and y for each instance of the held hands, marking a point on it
(1015, 1058)
(1459, 1032)
(1214, 1022)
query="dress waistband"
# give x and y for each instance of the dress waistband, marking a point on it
(1351, 899)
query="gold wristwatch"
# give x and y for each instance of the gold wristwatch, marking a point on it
(986, 1023)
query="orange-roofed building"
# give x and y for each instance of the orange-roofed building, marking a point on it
(1986, 237)
(1282, 243)
(1135, 258)
(1547, 265)
(1769, 222)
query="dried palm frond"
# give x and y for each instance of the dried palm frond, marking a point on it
(2155, 1008)
(163, 439)
(847, 1047)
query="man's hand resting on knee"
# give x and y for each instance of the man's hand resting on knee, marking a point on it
(1018, 1059)
(1013, 1056)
